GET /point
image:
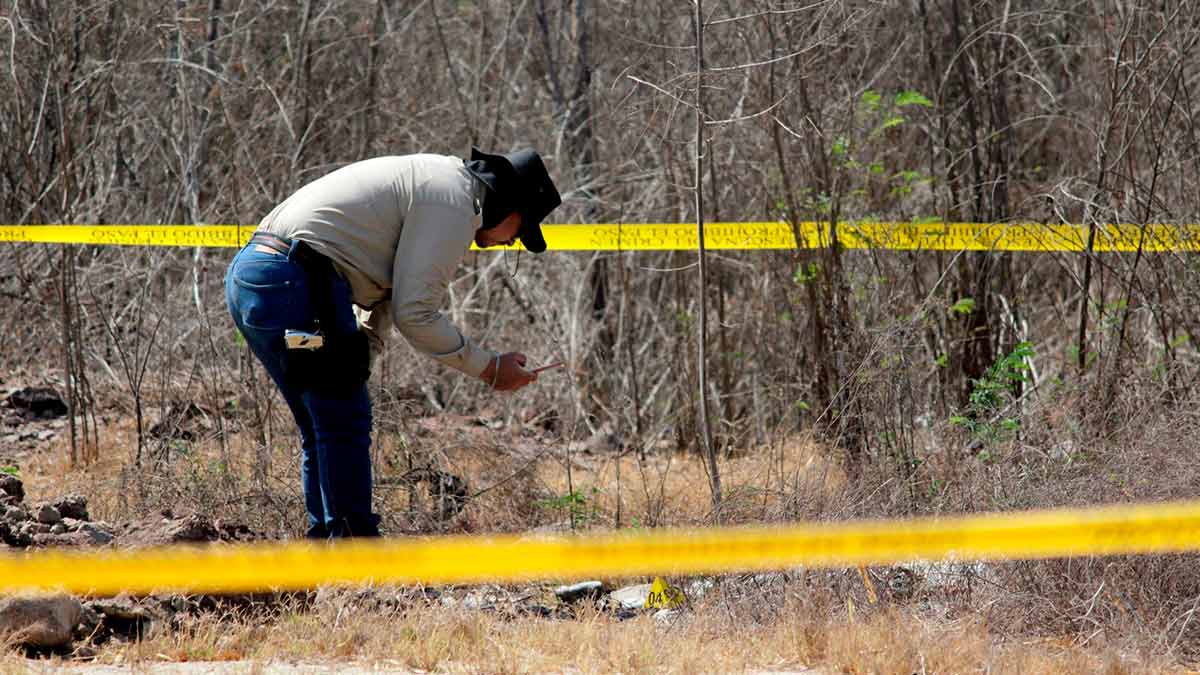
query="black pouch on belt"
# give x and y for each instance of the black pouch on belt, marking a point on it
(343, 362)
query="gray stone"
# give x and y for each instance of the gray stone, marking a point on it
(46, 513)
(12, 486)
(59, 540)
(38, 402)
(15, 514)
(631, 597)
(45, 621)
(89, 623)
(97, 533)
(136, 619)
(590, 590)
(59, 535)
(73, 506)
(121, 608)
(31, 527)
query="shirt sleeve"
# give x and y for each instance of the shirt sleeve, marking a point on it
(434, 239)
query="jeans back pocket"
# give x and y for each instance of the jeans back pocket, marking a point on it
(271, 295)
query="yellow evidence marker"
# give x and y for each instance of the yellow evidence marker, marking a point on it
(664, 596)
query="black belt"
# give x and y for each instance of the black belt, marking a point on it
(306, 255)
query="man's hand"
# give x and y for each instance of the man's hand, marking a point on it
(512, 374)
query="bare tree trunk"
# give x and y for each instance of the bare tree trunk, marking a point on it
(66, 280)
(301, 82)
(710, 452)
(372, 84)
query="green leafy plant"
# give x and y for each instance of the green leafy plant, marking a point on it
(10, 470)
(991, 395)
(963, 306)
(805, 273)
(854, 152)
(580, 505)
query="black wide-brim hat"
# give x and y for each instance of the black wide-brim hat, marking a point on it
(520, 181)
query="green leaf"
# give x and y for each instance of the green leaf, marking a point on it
(840, 146)
(894, 121)
(963, 306)
(910, 97)
(871, 99)
(10, 470)
(804, 274)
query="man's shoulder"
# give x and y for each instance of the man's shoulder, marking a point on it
(416, 163)
(447, 183)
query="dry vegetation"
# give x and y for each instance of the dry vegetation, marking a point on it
(842, 383)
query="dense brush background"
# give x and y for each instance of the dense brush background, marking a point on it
(928, 381)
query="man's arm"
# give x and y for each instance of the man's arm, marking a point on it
(434, 239)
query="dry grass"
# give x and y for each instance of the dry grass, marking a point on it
(823, 621)
(518, 481)
(718, 637)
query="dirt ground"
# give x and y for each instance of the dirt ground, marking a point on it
(900, 619)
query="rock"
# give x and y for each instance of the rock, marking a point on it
(88, 535)
(590, 590)
(15, 514)
(58, 540)
(98, 534)
(12, 486)
(14, 538)
(38, 402)
(46, 514)
(58, 528)
(901, 583)
(47, 621)
(169, 530)
(89, 623)
(120, 608)
(630, 597)
(124, 616)
(73, 506)
(31, 528)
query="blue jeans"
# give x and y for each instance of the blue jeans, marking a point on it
(268, 294)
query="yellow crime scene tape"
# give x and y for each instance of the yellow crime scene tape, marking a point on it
(718, 236)
(1127, 529)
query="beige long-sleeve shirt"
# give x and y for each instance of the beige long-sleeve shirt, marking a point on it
(396, 229)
